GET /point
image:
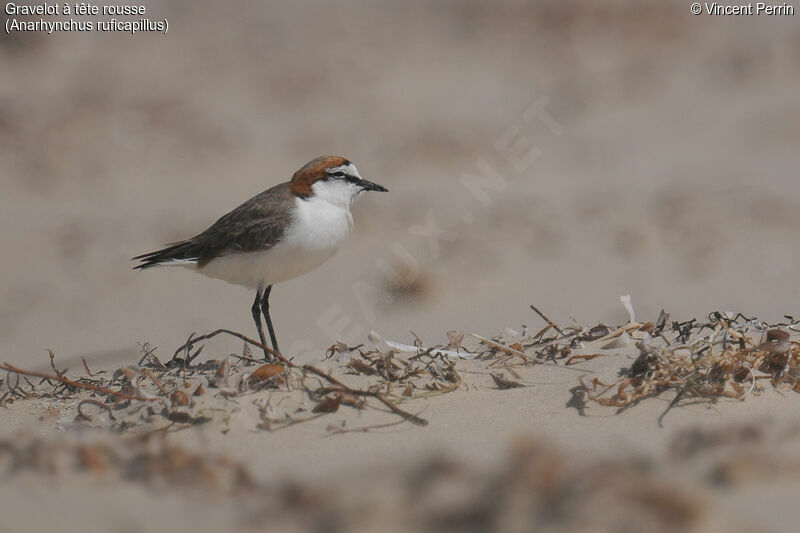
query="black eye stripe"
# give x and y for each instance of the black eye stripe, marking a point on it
(342, 175)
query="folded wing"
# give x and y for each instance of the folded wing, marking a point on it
(258, 224)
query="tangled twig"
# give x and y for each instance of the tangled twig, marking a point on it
(71, 383)
(414, 419)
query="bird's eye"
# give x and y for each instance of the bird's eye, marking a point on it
(337, 174)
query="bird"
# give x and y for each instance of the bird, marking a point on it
(277, 235)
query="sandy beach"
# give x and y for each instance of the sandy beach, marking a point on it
(547, 153)
(475, 436)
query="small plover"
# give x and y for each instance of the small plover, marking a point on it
(280, 234)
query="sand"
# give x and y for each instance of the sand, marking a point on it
(487, 456)
(670, 175)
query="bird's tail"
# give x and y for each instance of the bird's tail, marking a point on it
(179, 253)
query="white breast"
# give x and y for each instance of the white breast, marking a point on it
(319, 224)
(318, 229)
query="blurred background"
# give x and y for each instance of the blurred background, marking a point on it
(665, 167)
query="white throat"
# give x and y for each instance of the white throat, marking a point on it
(321, 221)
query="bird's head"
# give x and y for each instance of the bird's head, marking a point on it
(331, 178)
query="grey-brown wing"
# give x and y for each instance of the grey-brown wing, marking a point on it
(257, 224)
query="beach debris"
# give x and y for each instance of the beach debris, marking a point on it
(595, 333)
(626, 301)
(383, 348)
(536, 488)
(550, 323)
(726, 356)
(429, 370)
(148, 460)
(502, 347)
(266, 371)
(623, 340)
(117, 400)
(504, 383)
(328, 405)
(533, 487)
(584, 357)
(693, 441)
(434, 350)
(179, 398)
(454, 338)
(220, 379)
(341, 351)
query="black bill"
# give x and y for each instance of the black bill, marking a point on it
(369, 186)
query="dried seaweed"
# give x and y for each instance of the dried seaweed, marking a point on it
(147, 459)
(535, 487)
(505, 383)
(119, 399)
(726, 356)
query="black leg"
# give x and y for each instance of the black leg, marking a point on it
(256, 309)
(265, 310)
